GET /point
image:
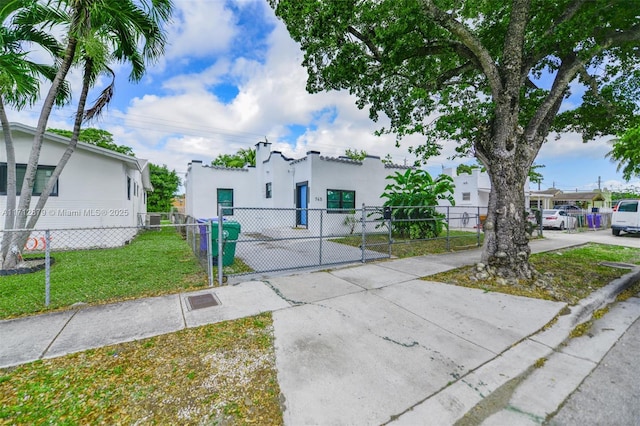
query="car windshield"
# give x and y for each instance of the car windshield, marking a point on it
(550, 212)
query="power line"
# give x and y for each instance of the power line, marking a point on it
(168, 127)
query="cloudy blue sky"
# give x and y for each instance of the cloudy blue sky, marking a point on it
(231, 76)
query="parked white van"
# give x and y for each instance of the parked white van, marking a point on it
(626, 217)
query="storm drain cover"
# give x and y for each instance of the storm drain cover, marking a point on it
(202, 301)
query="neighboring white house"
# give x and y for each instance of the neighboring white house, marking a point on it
(474, 189)
(470, 189)
(97, 188)
(337, 185)
(471, 196)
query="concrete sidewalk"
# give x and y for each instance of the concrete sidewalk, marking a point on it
(365, 344)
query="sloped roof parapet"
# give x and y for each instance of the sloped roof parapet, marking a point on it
(341, 159)
(279, 153)
(397, 166)
(232, 169)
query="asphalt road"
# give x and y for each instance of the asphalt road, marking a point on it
(610, 395)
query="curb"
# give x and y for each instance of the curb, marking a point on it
(495, 381)
(603, 296)
(519, 405)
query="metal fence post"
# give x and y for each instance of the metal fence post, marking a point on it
(47, 265)
(364, 233)
(321, 220)
(478, 225)
(448, 226)
(220, 244)
(210, 254)
(390, 234)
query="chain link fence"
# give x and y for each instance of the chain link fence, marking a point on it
(171, 252)
(266, 240)
(62, 267)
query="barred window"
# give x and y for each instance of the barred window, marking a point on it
(340, 201)
(225, 199)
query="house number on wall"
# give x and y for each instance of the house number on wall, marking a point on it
(318, 198)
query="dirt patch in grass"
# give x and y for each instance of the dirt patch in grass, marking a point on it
(217, 374)
(565, 275)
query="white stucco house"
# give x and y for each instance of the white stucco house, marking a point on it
(471, 196)
(337, 185)
(97, 188)
(474, 189)
(470, 189)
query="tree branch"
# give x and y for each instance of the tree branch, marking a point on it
(571, 65)
(481, 54)
(513, 43)
(549, 107)
(593, 86)
(569, 13)
(616, 37)
(366, 41)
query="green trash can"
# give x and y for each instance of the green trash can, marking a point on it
(230, 234)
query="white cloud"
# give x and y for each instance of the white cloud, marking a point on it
(570, 146)
(199, 29)
(183, 120)
(196, 82)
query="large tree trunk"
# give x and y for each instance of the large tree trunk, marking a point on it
(506, 246)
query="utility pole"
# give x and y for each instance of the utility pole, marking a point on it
(599, 183)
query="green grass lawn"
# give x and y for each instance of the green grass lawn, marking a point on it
(458, 240)
(225, 373)
(570, 274)
(216, 374)
(156, 262)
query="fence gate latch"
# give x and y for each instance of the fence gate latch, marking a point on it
(387, 213)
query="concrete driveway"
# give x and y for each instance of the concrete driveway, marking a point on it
(349, 353)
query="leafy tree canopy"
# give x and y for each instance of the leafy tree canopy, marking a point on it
(165, 185)
(491, 76)
(626, 152)
(626, 194)
(468, 169)
(238, 160)
(355, 154)
(97, 137)
(534, 175)
(408, 59)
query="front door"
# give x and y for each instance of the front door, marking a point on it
(302, 203)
